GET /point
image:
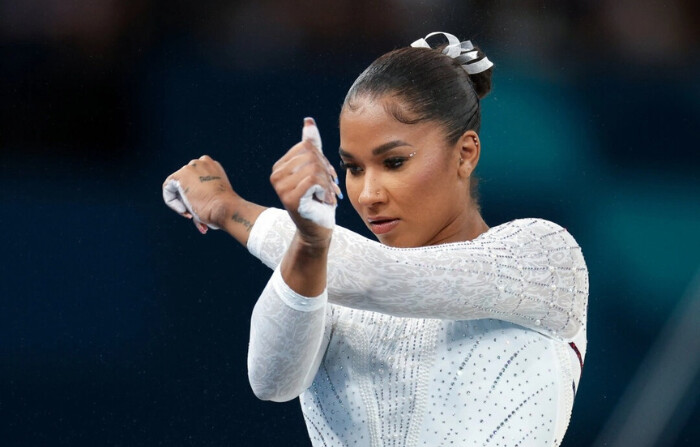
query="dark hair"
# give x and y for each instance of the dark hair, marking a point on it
(431, 86)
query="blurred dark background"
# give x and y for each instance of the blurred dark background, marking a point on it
(120, 325)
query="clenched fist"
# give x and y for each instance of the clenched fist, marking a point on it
(305, 182)
(200, 191)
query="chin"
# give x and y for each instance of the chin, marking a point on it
(396, 241)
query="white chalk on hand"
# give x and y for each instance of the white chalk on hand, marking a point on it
(311, 204)
(176, 199)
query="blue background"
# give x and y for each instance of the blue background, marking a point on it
(120, 325)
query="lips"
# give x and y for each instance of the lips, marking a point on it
(381, 225)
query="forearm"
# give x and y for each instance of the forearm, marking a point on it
(540, 283)
(288, 335)
(239, 216)
(304, 266)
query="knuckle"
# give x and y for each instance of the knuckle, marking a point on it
(308, 182)
(275, 176)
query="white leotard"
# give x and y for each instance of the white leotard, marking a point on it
(476, 343)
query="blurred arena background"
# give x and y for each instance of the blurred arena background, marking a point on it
(120, 325)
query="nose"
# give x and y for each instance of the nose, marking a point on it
(372, 191)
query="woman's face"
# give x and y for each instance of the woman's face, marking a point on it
(408, 186)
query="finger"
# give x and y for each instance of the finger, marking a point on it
(297, 158)
(326, 196)
(291, 165)
(201, 227)
(172, 196)
(311, 134)
(310, 208)
(336, 189)
(168, 179)
(291, 188)
(327, 165)
(308, 148)
(294, 151)
(300, 167)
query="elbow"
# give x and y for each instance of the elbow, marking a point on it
(271, 388)
(572, 331)
(271, 394)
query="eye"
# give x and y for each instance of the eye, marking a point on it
(394, 162)
(352, 168)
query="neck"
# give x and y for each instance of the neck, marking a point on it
(468, 225)
(476, 225)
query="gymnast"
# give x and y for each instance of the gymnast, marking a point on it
(444, 332)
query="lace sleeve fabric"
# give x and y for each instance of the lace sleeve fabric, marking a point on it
(287, 338)
(529, 271)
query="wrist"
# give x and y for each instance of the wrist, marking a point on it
(222, 208)
(239, 216)
(304, 266)
(316, 244)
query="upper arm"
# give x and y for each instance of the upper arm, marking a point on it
(530, 272)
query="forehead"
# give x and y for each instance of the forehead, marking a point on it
(371, 122)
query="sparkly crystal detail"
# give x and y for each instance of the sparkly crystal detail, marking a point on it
(458, 344)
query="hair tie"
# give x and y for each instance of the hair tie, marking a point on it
(463, 52)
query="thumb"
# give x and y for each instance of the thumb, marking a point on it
(310, 133)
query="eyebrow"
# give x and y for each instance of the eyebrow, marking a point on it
(379, 150)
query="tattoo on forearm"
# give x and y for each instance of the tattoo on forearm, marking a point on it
(208, 178)
(243, 221)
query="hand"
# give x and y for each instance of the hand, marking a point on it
(207, 192)
(302, 167)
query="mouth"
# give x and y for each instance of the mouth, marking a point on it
(382, 225)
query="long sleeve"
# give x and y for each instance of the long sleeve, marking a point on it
(529, 272)
(287, 339)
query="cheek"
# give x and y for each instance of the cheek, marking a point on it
(353, 188)
(431, 179)
(433, 190)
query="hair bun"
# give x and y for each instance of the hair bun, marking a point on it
(481, 80)
(469, 56)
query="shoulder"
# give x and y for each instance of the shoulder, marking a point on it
(531, 235)
(532, 229)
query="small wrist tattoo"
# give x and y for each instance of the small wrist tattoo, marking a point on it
(208, 178)
(241, 220)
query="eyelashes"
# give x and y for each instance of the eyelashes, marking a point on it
(392, 164)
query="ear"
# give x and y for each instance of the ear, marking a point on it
(469, 149)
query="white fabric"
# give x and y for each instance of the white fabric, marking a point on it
(478, 66)
(456, 344)
(463, 51)
(293, 299)
(311, 204)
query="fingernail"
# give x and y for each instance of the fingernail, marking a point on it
(308, 121)
(335, 179)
